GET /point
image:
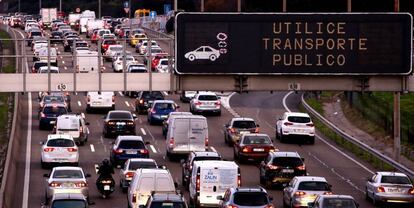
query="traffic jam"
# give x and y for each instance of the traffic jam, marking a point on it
(155, 148)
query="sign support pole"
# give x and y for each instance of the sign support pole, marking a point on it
(284, 6)
(397, 113)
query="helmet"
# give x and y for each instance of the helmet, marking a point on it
(105, 162)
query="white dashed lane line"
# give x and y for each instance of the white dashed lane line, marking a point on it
(213, 149)
(127, 103)
(120, 93)
(83, 115)
(79, 103)
(143, 132)
(92, 148)
(153, 148)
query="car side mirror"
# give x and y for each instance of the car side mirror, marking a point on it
(219, 97)
(87, 123)
(310, 204)
(279, 119)
(219, 197)
(88, 175)
(46, 175)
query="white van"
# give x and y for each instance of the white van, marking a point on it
(92, 24)
(210, 179)
(100, 100)
(82, 24)
(186, 133)
(73, 125)
(43, 55)
(144, 182)
(87, 61)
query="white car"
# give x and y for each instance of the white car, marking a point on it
(66, 180)
(118, 63)
(203, 52)
(163, 66)
(296, 126)
(45, 70)
(135, 67)
(112, 49)
(205, 102)
(59, 149)
(143, 46)
(131, 165)
(303, 190)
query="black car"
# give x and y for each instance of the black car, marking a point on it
(49, 113)
(37, 65)
(32, 34)
(119, 122)
(165, 199)
(56, 37)
(145, 98)
(280, 167)
(68, 43)
(127, 147)
(186, 165)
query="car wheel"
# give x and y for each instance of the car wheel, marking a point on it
(191, 57)
(43, 164)
(213, 57)
(81, 143)
(367, 196)
(225, 139)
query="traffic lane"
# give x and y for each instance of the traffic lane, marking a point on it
(345, 176)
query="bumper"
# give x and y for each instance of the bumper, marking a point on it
(100, 106)
(254, 156)
(203, 110)
(303, 201)
(83, 191)
(402, 198)
(60, 160)
(115, 130)
(158, 118)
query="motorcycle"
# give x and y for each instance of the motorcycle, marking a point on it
(105, 186)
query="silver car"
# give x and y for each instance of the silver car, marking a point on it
(331, 201)
(303, 190)
(66, 180)
(389, 187)
(205, 102)
(131, 165)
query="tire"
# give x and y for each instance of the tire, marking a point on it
(284, 203)
(212, 57)
(225, 139)
(366, 195)
(191, 57)
(43, 164)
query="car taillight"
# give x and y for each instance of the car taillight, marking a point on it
(269, 206)
(231, 206)
(327, 193)
(172, 142)
(48, 149)
(42, 115)
(134, 198)
(239, 180)
(411, 191)
(81, 184)
(380, 189)
(118, 151)
(33, 70)
(198, 183)
(218, 103)
(300, 193)
(141, 101)
(111, 123)
(206, 141)
(256, 130)
(272, 149)
(245, 149)
(288, 123)
(232, 130)
(301, 167)
(72, 149)
(130, 123)
(272, 167)
(197, 103)
(54, 184)
(129, 174)
(143, 151)
(310, 124)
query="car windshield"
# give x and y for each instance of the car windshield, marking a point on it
(395, 179)
(167, 205)
(164, 106)
(207, 97)
(299, 119)
(338, 203)
(54, 110)
(256, 140)
(69, 203)
(314, 186)
(206, 158)
(56, 33)
(49, 99)
(67, 174)
(250, 199)
(287, 161)
(60, 143)
(137, 69)
(156, 50)
(244, 124)
(130, 144)
(120, 115)
(141, 164)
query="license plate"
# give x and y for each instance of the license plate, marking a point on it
(130, 152)
(164, 116)
(299, 130)
(258, 149)
(107, 188)
(394, 190)
(97, 103)
(287, 171)
(120, 123)
(244, 132)
(68, 185)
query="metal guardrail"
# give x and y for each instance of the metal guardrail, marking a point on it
(156, 34)
(358, 143)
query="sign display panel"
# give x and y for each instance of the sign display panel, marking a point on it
(294, 44)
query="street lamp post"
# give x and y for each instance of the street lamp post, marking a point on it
(60, 5)
(40, 5)
(99, 9)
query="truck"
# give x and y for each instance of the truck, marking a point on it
(73, 18)
(48, 15)
(92, 24)
(84, 17)
(87, 61)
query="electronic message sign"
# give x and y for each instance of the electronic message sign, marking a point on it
(294, 44)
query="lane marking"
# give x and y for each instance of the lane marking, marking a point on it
(153, 148)
(214, 149)
(143, 132)
(96, 168)
(79, 103)
(284, 101)
(92, 148)
(165, 93)
(126, 103)
(120, 93)
(83, 115)
(149, 132)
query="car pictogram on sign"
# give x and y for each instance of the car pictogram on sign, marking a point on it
(203, 52)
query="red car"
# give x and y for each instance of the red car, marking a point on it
(253, 147)
(106, 44)
(156, 60)
(94, 37)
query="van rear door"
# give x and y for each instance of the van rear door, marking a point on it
(209, 185)
(198, 134)
(181, 129)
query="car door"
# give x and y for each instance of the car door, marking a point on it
(181, 134)
(287, 192)
(371, 185)
(197, 134)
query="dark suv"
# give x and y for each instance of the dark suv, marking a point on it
(49, 113)
(280, 167)
(126, 147)
(119, 122)
(186, 165)
(145, 98)
(246, 197)
(165, 199)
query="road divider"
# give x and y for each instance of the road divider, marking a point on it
(92, 148)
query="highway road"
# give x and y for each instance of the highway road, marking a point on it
(346, 173)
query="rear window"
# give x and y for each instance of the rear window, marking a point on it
(69, 203)
(120, 115)
(60, 143)
(395, 180)
(244, 124)
(55, 110)
(164, 106)
(131, 145)
(36, 34)
(299, 119)
(137, 70)
(164, 62)
(39, 64)
(206, 158)
(81, 44)
(153, 94)
(49, 99)
(207, 97)
(250, 199)
(111, 42)
(287, 161)
(138, 165)
(167, 204)
(256, 140)
(339, 203)
(314, 186)
(67, 174)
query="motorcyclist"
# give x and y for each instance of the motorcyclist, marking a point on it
(105, 171)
